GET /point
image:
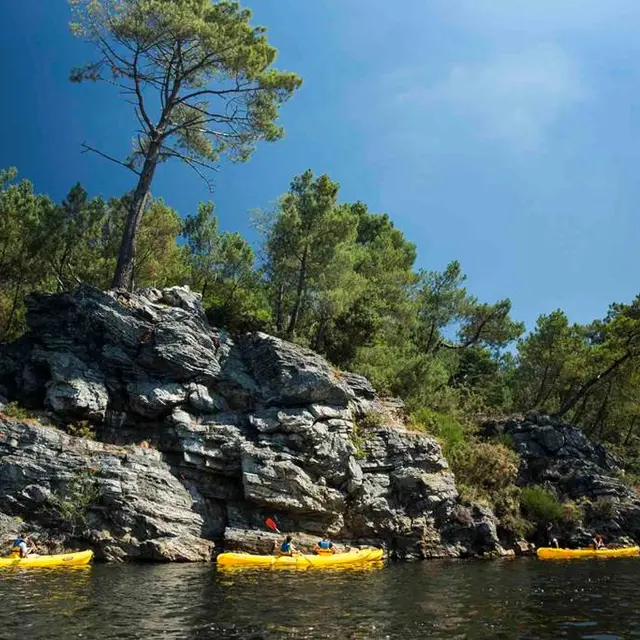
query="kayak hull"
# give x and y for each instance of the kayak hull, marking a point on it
(302, 561)
(63, 559)
(550, 553)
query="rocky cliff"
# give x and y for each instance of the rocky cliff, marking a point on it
(561, 459)
(199, 437)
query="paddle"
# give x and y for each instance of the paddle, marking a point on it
(270, 523)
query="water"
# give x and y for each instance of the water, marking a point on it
(527, 599)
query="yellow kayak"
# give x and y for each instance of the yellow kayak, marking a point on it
(301, 562)
(550, 553)
(62, 559)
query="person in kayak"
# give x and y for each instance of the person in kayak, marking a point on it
(598, 543)
(23, 547)
(324, 546)
(552, 540)
(287, 548)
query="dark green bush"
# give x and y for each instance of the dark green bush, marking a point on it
(539, 505)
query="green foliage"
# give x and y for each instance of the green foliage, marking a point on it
(82, 429)
(371, 420)
(604, 508)
(71, 506)
(359, 437)
(15, 411)
(24, 226)
(540, 505)
(572, 512)
(201, 82)
(443, 303)
(221, 266)
(446, 428)
(309, 264)
(490, 467)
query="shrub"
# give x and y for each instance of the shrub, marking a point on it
(602, 508)
(71, 507)
(469, 493)
(505, 439)
(483, 464)
(520, 526)
(82, 429)
(371, 420)
(14, 410)
(572, 513)
(540, 505)
(445, 427)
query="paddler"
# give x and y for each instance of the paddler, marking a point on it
(598, 543)
(286, 548)
(23, 546)
(324, 546)
(552, 540)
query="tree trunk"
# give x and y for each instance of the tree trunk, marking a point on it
(598, 421)
(580, 412)
(123, 277)
(280, 308)
(14, 306)
(572, 399)
(541, 389)
(319, 337)
(633, 423)
(302, 279)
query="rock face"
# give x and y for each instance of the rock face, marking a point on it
(143, 511)
(242, 429)
(556, 455)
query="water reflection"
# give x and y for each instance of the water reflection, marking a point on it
(511, 599)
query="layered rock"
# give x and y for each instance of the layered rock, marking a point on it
(558, 456)
(245, 428)
(136, 508)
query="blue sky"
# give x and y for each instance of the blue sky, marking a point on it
(501, 133)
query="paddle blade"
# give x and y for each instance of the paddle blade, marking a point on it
(271, 524)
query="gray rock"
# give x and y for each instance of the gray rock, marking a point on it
(205, 401)
(555, 454)
(291, 375)
(277, 482)
(551, 439)
(153, 398)
(231, 432)
(140, 510)
(75, 389)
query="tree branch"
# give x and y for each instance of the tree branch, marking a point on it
(136, 82)
(127, 165)
(193, 163)
(212, 92)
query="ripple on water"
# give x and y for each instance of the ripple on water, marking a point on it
(522, 599)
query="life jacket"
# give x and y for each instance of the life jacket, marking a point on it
(15, 548)
(325, 544)
(285, 547)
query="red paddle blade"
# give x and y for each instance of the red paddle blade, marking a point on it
(271, 524)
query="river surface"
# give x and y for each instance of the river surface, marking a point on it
(524, 598)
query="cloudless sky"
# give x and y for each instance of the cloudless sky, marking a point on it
(501, 133)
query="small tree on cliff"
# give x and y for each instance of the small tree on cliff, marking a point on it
(199, 78)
